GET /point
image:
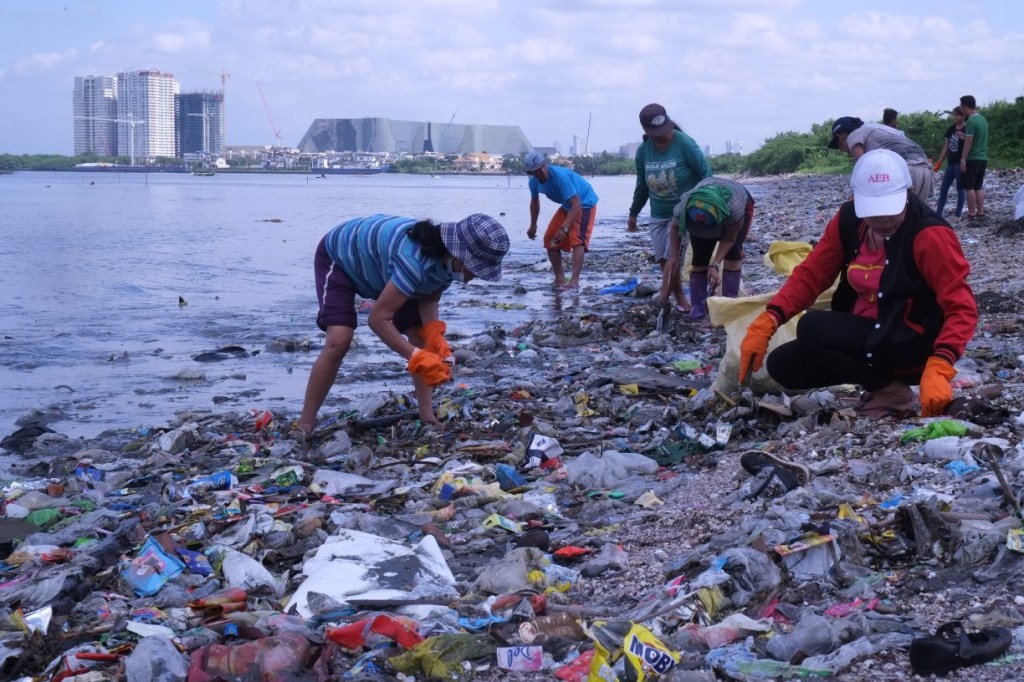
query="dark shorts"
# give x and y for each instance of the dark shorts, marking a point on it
(974, 176)
(704, 249)
(337, 297)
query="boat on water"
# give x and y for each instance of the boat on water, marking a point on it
(204, 174)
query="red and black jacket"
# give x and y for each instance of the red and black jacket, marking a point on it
(923, 291)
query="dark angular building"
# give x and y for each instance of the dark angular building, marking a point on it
(414, 137)
(199, 123)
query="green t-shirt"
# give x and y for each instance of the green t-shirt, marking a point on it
(977, 127)
(665, 176)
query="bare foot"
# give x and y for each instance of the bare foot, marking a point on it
(428, 418)
(568, 285)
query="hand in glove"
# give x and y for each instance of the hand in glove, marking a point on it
(937, 166)
(936, 392)
(430, 366)
(433, 335)
(755, 344)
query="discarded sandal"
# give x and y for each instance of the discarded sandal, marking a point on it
(978, 410)
(790, 473)
(952, 647)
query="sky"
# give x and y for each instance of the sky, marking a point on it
(741, 70)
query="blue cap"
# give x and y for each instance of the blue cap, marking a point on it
(533, 160)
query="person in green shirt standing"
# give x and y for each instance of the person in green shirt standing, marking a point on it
(668, 164)
(975, 157)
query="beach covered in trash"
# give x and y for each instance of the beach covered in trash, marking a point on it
(602, 501)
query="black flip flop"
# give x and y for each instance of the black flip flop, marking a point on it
(792, 474)
(952, 647)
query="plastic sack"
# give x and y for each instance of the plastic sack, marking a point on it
(736, 314)
(607, 469)
(783, 257)
(1018, 201)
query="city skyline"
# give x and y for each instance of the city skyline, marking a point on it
(728, 70)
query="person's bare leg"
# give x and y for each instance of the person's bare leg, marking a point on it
(979, 201)
(555, 256)
(322, 375)
(578, 255)
(676, 283)
(423, 391)
(972, 203)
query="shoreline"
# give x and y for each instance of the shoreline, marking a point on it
(564, 378)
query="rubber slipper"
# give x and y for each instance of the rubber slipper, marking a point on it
(978, 410)
(684, 309)
(952, 647)
(753, 461)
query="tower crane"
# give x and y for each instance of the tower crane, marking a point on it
(274, 129)
(224, 76)
(131, 121)
(444, 133)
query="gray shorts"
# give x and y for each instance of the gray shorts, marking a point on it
(659, 229)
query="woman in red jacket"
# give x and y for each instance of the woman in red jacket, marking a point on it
(902, 314)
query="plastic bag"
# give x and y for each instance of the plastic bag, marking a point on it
(607, 469)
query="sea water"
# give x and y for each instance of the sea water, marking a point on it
(93, 266)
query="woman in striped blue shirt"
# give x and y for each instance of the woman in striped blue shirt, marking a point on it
(404, 265)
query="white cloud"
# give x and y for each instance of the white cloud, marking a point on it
(97, 46)
(183, 36)
(43, 61)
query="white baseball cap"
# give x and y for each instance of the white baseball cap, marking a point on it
(880, 182)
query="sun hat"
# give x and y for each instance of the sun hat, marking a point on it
(655, 121)
(843, 124)
(880, 182)
(533, 161)
(480, 242)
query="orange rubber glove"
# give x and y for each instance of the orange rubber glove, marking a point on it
(936, 392)
(937, 166)
(430, 366)
(433, 335)
(755, 344)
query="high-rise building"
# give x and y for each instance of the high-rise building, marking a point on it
(94, 105)
(145, 105)
(199, 117)
(733, 147)
(579, 145)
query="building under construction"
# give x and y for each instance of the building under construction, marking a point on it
(412, 137)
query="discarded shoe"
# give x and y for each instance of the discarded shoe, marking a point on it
(790, 473)
(952, 647)
(977, 410)
(894, 400)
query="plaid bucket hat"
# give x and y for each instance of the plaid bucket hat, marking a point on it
(480, 242)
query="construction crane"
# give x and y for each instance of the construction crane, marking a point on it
(224, 76)
(444, 133)
(274, 129)
(131, 121)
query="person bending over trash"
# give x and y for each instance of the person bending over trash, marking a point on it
(903, 311)
(405, 265)
(572, 224)
(716, 211)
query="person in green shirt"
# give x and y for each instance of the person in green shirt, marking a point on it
(668, 164)
(975, 157)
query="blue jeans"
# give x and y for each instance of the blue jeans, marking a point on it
(952, 173)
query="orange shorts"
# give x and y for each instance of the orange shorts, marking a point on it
(579, 233)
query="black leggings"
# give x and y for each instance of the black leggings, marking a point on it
(829, 350)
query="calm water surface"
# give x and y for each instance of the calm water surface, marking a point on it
(92, 266)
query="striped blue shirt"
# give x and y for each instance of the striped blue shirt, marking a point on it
(374, 250)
